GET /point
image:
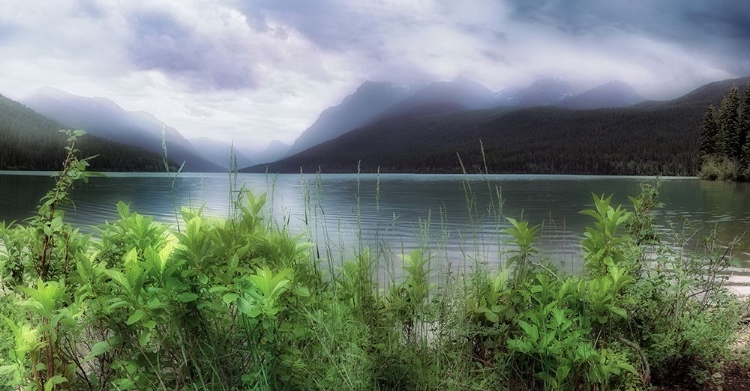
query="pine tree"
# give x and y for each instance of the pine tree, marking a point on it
(709, 133)
(730, 138)
(745, 132)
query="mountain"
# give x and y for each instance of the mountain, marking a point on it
(273, 152)
(507, 97)
(443, 97)
(544, 92)
(30, 141)
(710, 94)
(104, 118)
(370, 100)
(218, 152)
(659, 138)
(611, 95)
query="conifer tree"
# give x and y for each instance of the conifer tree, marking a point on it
(730, 138)
(745, 132)
(709, 134)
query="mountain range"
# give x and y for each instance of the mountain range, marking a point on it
(376, 101)
(542, 128)
(273, 152)
(31, 141)
(370, 100)
(104, 118)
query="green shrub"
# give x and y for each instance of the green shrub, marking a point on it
(242, 304)
(719, 168)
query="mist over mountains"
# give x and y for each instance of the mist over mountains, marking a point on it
(606, 130)
(104, 118)
(31, 141)
(421, 128)
(274, 151)
(377, 101)
(370, 99)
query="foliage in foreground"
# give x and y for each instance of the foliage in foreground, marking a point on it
(242, 304)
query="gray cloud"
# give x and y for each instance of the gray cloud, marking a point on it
(328, 23)
(664, 47)
(257, 70)
(162, 42)
(90, 9)
(718, 29)
(7, 31)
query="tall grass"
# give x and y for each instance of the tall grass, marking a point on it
(242, 303)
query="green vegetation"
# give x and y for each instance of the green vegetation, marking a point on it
(650, 138)
(242, 304)
(725, 141)
(29, 141)
(538, 140)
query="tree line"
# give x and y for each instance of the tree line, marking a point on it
(30, 141)
(659, 139)
(725, 139)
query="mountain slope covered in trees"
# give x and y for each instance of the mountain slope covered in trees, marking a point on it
(104, 118)
(725, 138)
(646, 139)
(610, 95)
(370, 99)
(30, 141)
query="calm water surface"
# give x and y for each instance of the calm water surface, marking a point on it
(401, 211)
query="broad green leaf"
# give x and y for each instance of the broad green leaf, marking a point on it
(7, 369)
(529, 329)
(135, 317)
(187, 297)
(144, 338)
(618, 311)
(302, 291)
(53, 381)
(547, 340)
(98, 348)
(230, 297)
(218, 289)
(491, 316)
(123, 209)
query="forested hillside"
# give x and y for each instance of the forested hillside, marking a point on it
(30, 141)
(647, 139)
(106, 119)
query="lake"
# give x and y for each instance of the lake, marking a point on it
(400, 212)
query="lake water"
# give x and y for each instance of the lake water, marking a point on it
(400, 211)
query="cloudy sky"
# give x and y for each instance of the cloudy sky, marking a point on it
(257, 70)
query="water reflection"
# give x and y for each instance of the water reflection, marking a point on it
(402, 212)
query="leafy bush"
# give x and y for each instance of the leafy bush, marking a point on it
(242, 304)
(719, 168)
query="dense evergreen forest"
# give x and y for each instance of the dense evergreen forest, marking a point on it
(725, 139)
(651, 138)
(30, 141)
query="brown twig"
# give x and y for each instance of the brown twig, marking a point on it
(646, 376)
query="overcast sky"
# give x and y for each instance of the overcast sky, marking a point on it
(257, 70)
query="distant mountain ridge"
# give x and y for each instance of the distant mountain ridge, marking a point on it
(369, 100)
(274, 151)
(646, 138)
(611, 95)
(31, 141)
(544, 92)
(104, 118)
(219, 153)
(373, 102)
(461, 93)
